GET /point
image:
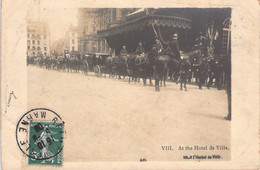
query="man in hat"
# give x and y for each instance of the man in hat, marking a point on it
(123, 51)
(140, 49)
(173, 47)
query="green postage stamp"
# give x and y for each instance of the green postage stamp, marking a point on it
(45, 139)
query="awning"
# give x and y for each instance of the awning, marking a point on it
(150, 20)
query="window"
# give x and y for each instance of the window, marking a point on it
(39, 48)
(73, 41)
(28, 42)
(45, 48)
(28, 47)
(45, 53)
(38, 42)
(33, 42)
(33, 53)
(33, 48)
(28, 35)
(73, 48)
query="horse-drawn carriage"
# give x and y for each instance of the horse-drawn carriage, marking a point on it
(95, 62)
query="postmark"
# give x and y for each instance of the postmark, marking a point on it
(39, 135)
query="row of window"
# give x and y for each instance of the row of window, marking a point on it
(38, 48)
(35, 35)
(35, 53)
(33, 42)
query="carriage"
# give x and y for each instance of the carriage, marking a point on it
(96, 62)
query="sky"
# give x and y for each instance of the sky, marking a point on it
(59, 20)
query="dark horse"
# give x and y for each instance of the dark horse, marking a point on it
(143, 67)
(161, 63)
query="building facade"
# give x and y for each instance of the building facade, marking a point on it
(72, 39)
(38, 38)
(90, 20)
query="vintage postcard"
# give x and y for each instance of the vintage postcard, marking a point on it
(130, 84)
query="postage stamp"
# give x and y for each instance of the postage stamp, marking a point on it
(39, 136)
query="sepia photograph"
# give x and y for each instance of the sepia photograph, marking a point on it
(164, 72)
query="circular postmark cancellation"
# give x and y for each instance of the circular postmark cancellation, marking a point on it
(39, 135)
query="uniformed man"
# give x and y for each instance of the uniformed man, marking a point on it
(140, 49)
(173, 47)
(202, 73)
(184, 71)
(123, 51)
(201, 44)
(158, 45)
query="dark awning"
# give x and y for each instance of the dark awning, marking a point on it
(140, 23)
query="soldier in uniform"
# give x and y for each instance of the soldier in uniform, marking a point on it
(173, 47)
(219, 73)
(202, 73)
(201, 44)
(184, 71)
(158, 45)
(123, 51)
(211, 72)
(140, 49)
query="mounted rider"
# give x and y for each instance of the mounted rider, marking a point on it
(140, 49)
(173, 48)
(123, 51)
(158, 45)
(123, 54)
(140, 53)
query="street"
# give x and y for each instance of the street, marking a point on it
(110, 119)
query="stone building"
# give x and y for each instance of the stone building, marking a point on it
(38, 38)
(72, 37)
(90, 20)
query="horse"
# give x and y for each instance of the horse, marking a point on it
(117, 66)
(130, 66)
(143, 67)
(162, 63)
